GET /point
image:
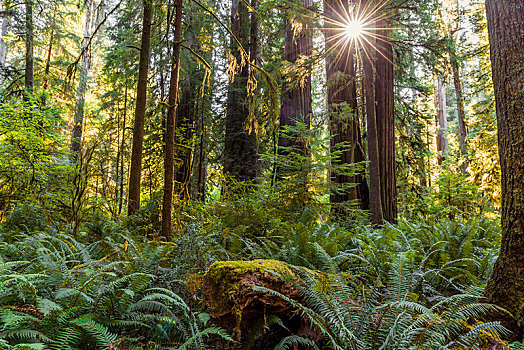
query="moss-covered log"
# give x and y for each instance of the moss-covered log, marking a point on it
(228, 296)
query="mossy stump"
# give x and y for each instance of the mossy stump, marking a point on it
(229, 298)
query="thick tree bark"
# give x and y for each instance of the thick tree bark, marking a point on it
(296, 104)
(76, 138)
(240, 150)
(169, 152)
(29, 54)
(442, 115)
(375, 202)
(506, 35)
(385, 109)
(140, 111)
(344, 125)
(461, 115)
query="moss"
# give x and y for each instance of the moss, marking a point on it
(225, 281)
(222, 269)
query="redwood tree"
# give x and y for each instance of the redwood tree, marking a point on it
(344, 125)
(369, 62)
(169, 151)
(240, 148)
(385, 116)
(140, 111)
(506, 35)
(296, 104)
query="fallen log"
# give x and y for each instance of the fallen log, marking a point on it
(258, 320)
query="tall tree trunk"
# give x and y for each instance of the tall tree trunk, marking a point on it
(506, 35)
(204, 105)
(253, 35)
(120, 190)
(184, 134)
(199, 156)
(455, 69)
(240, 149)
(4, 29)
(29, 54)
(296, 104)
(385, 107)
(442, 126)
(461, 115)
(140, 111)
(344, 125)
(48, 58)
(76, 138)
(375, 202)
(169, 152)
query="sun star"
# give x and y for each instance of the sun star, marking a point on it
(354, 29)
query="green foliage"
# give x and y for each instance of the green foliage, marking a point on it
(33, 163)
(71, 295)
(391, 316)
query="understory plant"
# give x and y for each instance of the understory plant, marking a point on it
(390, 315)
(58, 293)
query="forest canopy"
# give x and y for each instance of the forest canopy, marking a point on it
(240, 174)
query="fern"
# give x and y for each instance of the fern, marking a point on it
(217, 331)
(289, 342)
(391, 317)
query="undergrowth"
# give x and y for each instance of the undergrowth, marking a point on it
(113, 284)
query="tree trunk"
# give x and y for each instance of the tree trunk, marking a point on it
(506, 35)
(240, 149)
(375, 202)
(442, 131)
(461, 115)
(48, 58)
(4, 29)
(140, 111)
(344, 125)
(455, 68)
(169, 152)
(184, 134)
(385, 109)
(253, 38)
(296, 105)
(76, 138)
(199, 156)
(29, 54)
(120, 189)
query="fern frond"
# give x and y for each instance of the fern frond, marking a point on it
(213, 330)
(289, 342)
